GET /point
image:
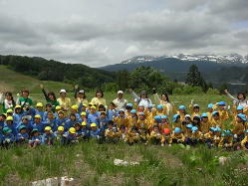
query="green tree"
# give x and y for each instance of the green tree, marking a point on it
(123, 79)
(194, 78)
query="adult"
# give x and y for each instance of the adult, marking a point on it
(24, 100)
(142, 100)
(8, 102)
(50, 98)
(163, 100)
(64, 101)
(240, 100)
(80, 97)
(99, 98)
(120, 102)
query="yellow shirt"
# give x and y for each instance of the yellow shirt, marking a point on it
(98, 101)
(205, 126)
(238, 128)
(64, 103)
(121, 121)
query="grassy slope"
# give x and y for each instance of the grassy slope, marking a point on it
(92, 164)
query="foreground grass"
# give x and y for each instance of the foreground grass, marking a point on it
(90, 163)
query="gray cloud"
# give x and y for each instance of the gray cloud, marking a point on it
(115, 30)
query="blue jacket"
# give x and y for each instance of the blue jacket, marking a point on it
(111, 114)
(9, 137)
(51, 123)
(95, 133)
(20, 136)
(93, 118)
(39, 126)
(33, 138)
(46, 138)
(69, 123)
(13, 128)
(17, 118)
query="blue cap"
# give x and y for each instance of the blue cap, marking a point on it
(164, 117)
(157, 118)
(226, 133)
(129, 104)
(189, 126)
(215, 112)
(204, 115)
(217, 129)
(221, 103)
(210, 105)
(213, 129)
(159, 107)
(182, 107)
(175, 117)
(194, 129)
(240, 107)
(133, 111)
(242, 117)
(177, 130)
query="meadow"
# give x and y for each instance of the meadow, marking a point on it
(90, 163)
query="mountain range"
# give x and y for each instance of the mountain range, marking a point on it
(217, 69)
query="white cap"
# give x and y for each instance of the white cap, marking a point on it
(63, 91)
(120, 92)
(81, 91)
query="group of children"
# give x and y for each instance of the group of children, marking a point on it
(64, 122)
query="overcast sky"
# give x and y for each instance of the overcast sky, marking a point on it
(102, 32)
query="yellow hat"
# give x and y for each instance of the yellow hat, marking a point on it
(58, 108)
(60, 128)
(93, 125)
(72, 130)
(9, 111)
(83, 114)
(83, 123)
(38, 116)
(93, 107)
(74, 107)
(17, 106)
(39, 104)
(9, 118)
(47, 128)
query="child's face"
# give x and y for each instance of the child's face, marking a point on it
(49, 108)
(47, 132)
(73, 118)
(50, 116)
(1, 118)
(216, 117)
(121, 114)
(141, 109)
(60, 132)
(109, 126)
(17, 111)
(61, 115)
(182, 111)
(37, 120)
(36, 133)
(196, 110)
(23, 131)
(25, 94)
(39, 108)
(210, 110)
(102, 116)
(83, 117)
(25, 121)
(238, 120)
(77, 127)
(204, 119)
(9, 122)
(141, 117)
(156, 129)
(188, 120)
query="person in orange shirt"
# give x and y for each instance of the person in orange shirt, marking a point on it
(121, 119)
(205, 123)
(239, 127)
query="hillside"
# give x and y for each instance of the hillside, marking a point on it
(13, 81)
(216, 71)
(43, 69)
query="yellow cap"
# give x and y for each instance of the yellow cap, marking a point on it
(17, 106)
(74, 107)
(83, 113)
(83, 123)
(9, 111)
(72, 130)
(38, 116)
(39, 104)
(47, 128)
(93, 107)
(58, 108)
(60, 128)
(9, 118)
(93, 125)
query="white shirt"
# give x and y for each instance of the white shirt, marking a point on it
(120, 103)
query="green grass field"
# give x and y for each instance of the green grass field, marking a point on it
(90, 163)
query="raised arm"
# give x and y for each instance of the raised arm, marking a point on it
(229, 95)
(134, 95)
(44, 92)
(76, 89)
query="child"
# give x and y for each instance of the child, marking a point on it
(11, 125)
(61, 119)
(93, 116)
(133, 135)
(129, 108)
(70, 122)
(216, 121)
(8, 137)
(74, 110)
(209, 137)
(59, 135)
(205, 124)
(35, 139)
(48, 137)
(176, 121)
(112, 111)
(133, 118)
(85, 131)
(111, 134)
(196, 136)
(22, 136)
(48, 109)
(188, 134)
(222, 111)
(239, 127)
(39, 109)
(244, 142)
(103, 120)
(226, 140)
(167, 133)
(165, 122)
(210, 111)
(142, 121)
(17, 116)
(71, 137)
(177, 136)
(51, 121)
(38, 124)
(217, 136)
(195, 108)
(94, 131)
(121, 119)
(156, 137)
(182, 112)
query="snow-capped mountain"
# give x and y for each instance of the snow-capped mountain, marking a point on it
(228, 59)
